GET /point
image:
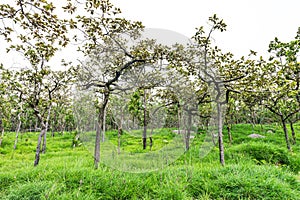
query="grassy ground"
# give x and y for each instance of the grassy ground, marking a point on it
(259, 168)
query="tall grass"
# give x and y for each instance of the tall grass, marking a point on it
(256, 169)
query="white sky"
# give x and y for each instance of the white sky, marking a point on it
(252, 24)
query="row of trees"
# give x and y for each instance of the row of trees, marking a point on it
(135, 82)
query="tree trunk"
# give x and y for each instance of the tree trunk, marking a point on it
(119, 139)
(1, 131)
(38, 147)
(44, 142)
(99, 127)
(207, 124)
(229, 134)
(104, 125)
(133, 123)
(30, 125)
(151, 143)
(54, 124)
(285, 133)
(62, 125)
(145, 122)
(120, 130)
(150, 138)
(36, 126)
(253, 121)
(179, 118)
(213, 138)
(220, 134)
(46, 129)
(293, 132)
(188, 135)
(18, 130)
(184, 131)
(98, 139)
(252, 125)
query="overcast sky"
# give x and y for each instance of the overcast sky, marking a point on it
(252, 24)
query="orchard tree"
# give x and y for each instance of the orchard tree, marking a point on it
(84, 111)
(191, 98)
(62, 117)
(229, 116)
(18, 110)
(11, 105)
(39, 89)
(118, 110)
(112, 61)
(91, 77)
(109, 56)
(282, 82)
(40, 33)
(252, 110)
(5, 105)
(219, 70)
(276, 83)
(194, 97)
(105, 39)
(146, 80)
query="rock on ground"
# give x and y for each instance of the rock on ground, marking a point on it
(256, 136)
(181, 131)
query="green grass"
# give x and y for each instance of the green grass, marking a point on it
(255, 169)
(131, 141)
